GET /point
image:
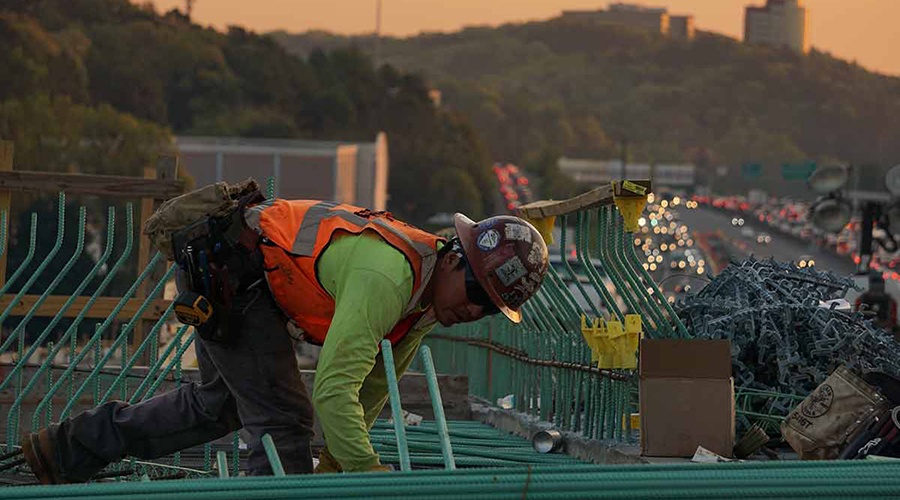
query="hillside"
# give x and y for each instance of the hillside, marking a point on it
(541, 89)
(122, 79)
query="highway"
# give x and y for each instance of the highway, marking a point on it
(782, 247)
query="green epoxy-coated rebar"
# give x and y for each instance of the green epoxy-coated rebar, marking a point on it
(101, 261)
(60, 233)
(679, 325)
(157, 366)
(49, 362)
(69, 333)
(640, 296)
(49, 384)
(123, 393)
(604, 247)
(625, 249)
(97, 381)
(129, 240)
(175, 360)
(50, 288)
(94, 375)
(582, 251)
(775, 480)
(222, 463)
(152, 337)
(88, 348)
(272, 454)
(564, 257)
(270, 187)
(394, 395)
(235, 454)
(32, 241)
(176, 459)
(437, 406)
(650, 314)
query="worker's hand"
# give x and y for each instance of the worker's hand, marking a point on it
(327, 463)
(381, 468)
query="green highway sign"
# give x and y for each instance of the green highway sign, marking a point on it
(797, 171)
(751, 169)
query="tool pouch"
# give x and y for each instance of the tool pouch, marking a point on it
(823, 423)
(219, 258)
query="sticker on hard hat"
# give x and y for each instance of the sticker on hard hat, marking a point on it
(511, 271)
(525, 286)
(513, 298)
(518, 232)
(488, 240)
(535, 255)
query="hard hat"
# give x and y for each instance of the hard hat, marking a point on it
(508, 257)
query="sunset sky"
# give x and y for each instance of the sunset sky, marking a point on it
(861, 30)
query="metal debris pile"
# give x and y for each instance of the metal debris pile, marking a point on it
(783, 339)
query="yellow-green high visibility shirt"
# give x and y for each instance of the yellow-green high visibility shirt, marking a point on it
(371, 283)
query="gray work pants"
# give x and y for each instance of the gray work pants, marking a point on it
(253, 383)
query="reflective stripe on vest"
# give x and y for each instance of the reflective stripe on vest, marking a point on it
(305, 241)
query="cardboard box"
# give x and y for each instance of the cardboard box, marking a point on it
(687, 397)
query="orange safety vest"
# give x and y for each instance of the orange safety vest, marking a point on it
(296, 232)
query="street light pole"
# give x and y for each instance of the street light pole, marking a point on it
(870, 209)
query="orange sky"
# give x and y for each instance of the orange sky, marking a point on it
(861, 30)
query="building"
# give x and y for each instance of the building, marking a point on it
(655, 19)
(781, 23)
(355, 173)
(682, 27)
(602, 172)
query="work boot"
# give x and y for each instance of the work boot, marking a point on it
(40, 454)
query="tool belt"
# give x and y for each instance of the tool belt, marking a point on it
(219, 259)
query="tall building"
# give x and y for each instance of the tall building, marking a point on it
(781, 23)
(656, 19)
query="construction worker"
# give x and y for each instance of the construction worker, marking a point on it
(347, 278)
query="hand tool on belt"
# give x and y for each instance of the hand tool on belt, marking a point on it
(219, 259)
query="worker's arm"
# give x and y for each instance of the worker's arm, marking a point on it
(372, 284)
(374, 392)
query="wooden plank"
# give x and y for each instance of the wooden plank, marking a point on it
(596, 197)
(166, 169)
(143, 252)
(101, 309)
(100, 185)
(7, 150)
(548, 208)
